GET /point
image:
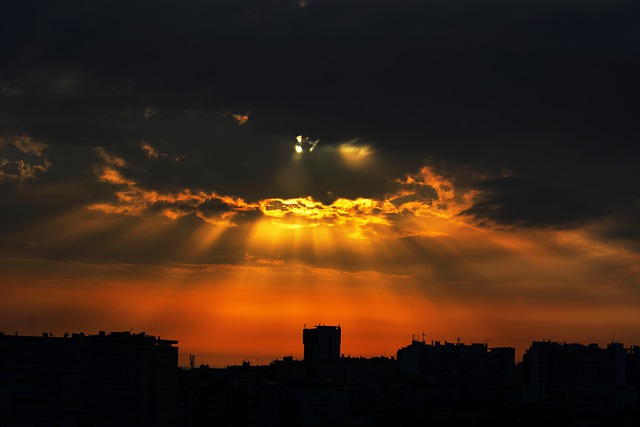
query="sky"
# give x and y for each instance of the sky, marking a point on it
(226, 172)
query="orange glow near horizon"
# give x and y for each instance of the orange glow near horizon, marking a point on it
(249, 312)
(240, 280)
(225, 314)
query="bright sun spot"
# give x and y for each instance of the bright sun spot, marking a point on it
(304, 143)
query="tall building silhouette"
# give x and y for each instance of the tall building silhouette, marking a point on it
(321, 342)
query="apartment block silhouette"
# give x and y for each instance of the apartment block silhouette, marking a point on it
(115, 379)
(321, 342)
(577, 377)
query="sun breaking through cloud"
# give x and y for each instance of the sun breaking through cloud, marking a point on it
(424, 194)
(305, 144)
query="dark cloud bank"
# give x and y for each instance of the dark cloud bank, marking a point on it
(543, 93)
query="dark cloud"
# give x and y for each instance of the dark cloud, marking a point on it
(623, 228)
(525, 88)
(214, 206)
(474, 68)
(526, 203)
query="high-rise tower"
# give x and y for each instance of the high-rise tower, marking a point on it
(321, 342)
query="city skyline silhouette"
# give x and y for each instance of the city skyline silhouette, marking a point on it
(126, 378)
(320, 342)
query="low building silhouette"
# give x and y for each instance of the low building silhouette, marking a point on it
(115, 379)
(288, 392)
(578, 378)
(457, 373)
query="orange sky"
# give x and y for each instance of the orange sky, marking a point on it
(383, 269)
(228, 314)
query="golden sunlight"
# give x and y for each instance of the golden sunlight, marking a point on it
(355, 154)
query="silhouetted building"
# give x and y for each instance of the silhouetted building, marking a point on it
(116, 379)
(125, 379)
(287, 392)
(577, 377)
(321, 342)
(458, 373)
(633, 367)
